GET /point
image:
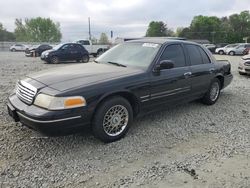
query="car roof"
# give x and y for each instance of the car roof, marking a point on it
(161, 40)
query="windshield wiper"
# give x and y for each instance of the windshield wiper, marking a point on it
(117, 64)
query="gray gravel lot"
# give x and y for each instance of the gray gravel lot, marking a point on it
(191, 145)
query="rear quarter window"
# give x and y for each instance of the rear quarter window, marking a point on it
(204, 56)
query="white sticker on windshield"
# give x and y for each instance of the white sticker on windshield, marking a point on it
(150, 45)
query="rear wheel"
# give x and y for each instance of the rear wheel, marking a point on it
(232, 53)
(112, 119)
(100, 52)
(213, 93)
(85, 59)
(13, 49)
(54, 60)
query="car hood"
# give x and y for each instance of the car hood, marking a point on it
(81, 75)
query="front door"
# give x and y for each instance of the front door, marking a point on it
(171, 85)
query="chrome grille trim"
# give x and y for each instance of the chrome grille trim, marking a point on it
(25, 92)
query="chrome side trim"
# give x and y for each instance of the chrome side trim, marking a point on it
(171, 91)
(143, 97)
(169, 94)
(48, 121)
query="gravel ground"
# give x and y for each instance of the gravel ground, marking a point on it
(190, 145)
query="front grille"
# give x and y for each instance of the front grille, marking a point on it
(25, 92)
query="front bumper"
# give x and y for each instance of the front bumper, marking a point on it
(45, 121)
(244, 69)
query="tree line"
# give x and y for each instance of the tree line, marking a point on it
(231, 29)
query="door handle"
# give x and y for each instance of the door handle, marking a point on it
(211, 70)
(187, 74)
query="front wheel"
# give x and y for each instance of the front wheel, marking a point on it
(213, 93)
(221, 52)
(54, 60)
(112, 119)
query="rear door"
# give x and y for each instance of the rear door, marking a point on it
(171, 85)
(202, 68)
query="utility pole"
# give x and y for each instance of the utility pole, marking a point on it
(89, 29)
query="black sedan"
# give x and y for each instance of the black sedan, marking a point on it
(36, 51)
(131, 79)
(66, 52)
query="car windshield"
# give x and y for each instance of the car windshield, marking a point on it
(231, 45)
(58, 46)
(130, 54)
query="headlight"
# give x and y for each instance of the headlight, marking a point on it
(59, 103)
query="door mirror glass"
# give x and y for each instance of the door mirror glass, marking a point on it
(165, 64)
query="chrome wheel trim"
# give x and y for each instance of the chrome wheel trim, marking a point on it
(54, 60)
(115, 120)
(85, 59)
(214, 91)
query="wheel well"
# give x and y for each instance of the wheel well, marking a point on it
(130, 97)
(221, 79)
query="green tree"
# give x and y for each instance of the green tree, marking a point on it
(103, 39)
(38, 30)
(6, 35)
(158, 29)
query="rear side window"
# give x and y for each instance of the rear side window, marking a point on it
(175, 53)
(204, 56)
(194, 54)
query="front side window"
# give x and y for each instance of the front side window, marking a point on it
(131, 54)
(194, 54)
(174, 53)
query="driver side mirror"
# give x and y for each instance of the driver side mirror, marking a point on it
(164, 64)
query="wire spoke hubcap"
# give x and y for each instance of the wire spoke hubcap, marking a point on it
(214, 92)
(115, 120)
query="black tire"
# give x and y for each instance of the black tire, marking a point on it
(85, 58)
(100, 52)
(13, 49)
(232, 53)
(102, 113)
(241, 73)
(208, 98)
(221, 52)
(54, 60)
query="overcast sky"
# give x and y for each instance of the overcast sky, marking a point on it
(127, 18)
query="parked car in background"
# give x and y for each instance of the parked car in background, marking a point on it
(222, 50)
(221, 45)
(244, 65)
(37, 50)
(66, 52)
(210, 47)
(238, 50)
(131, 79)
(93, 49)
(18, 47)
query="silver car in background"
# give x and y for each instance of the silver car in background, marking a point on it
(18, 47)
(222, 50)
(238, 50)
(244, 65)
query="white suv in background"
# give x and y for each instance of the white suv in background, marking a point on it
(18, 47)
